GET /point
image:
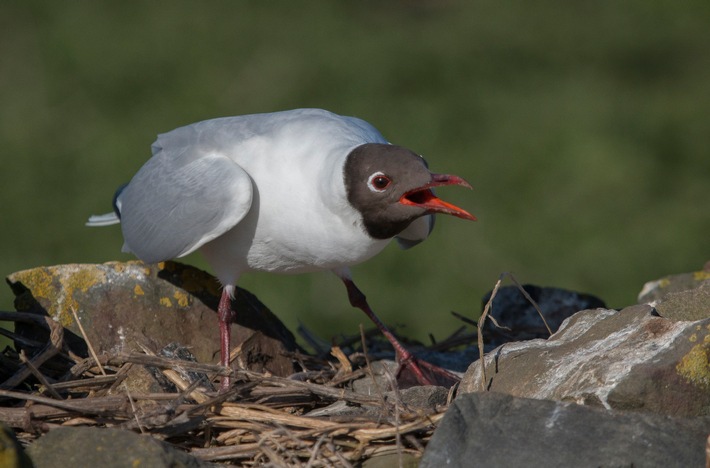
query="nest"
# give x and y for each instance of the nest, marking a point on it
(288, 421)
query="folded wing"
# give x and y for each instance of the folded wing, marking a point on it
(180, 200)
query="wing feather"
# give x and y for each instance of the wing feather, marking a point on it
(180, 200)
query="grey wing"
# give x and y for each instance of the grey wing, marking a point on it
(178, 202)
(416, 232)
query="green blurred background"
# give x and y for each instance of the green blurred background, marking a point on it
(584, 128)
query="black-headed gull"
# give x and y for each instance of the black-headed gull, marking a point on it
(286, 192)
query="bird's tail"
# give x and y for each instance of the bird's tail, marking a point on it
(109, 218)
(103, 220)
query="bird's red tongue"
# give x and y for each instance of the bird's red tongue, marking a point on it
(424, 197)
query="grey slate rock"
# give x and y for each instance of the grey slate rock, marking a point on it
(106, 448)
(497, 430)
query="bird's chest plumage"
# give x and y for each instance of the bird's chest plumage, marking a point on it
(300, 219)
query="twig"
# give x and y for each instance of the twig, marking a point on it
(42, 379)
(481, 321)
(314, 450)
(86, 405)
(166, 363)
(84, 383)
(86, 339)
(345, 366)
(530, 300)
(464, 319)
(133, 409)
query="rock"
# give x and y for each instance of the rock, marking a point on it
(657, 289)
(680, 297)
(384, 372)
(11, 453)
(497, 430)
(406, 460)
(422, 399)
(122, 305)
(630, 359)
(107, 448)
(512, 310)
(691, 304)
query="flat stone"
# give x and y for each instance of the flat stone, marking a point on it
(496, 430)
(106, 448)
(630, 359)
(405, 460)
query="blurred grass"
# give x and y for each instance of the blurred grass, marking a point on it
(583, 127)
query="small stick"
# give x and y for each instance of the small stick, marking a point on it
(481, 321)
(86, 338)
(133, 409)
(42, 379)
(314, 450)
(530, 299)
(345, 366)
(369, 368)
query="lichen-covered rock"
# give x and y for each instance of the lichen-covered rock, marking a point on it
(124, 305)
(630, 359)
(657, 289)
(689, 304)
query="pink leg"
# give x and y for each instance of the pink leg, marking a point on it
(225, 316)
(411, 370)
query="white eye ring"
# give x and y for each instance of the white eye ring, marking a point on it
(378, 182)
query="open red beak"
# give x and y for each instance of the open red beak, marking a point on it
(424, 197)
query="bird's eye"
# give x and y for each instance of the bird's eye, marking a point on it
(378, 182)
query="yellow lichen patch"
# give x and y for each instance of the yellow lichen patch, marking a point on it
(701, 275)
(55, 287)
(84, 278)
(166, 302)
(693, 338)
(662, 283)
(138, 291)
(118, 267)
(695, 366)
(182, 298)
(39, 281)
